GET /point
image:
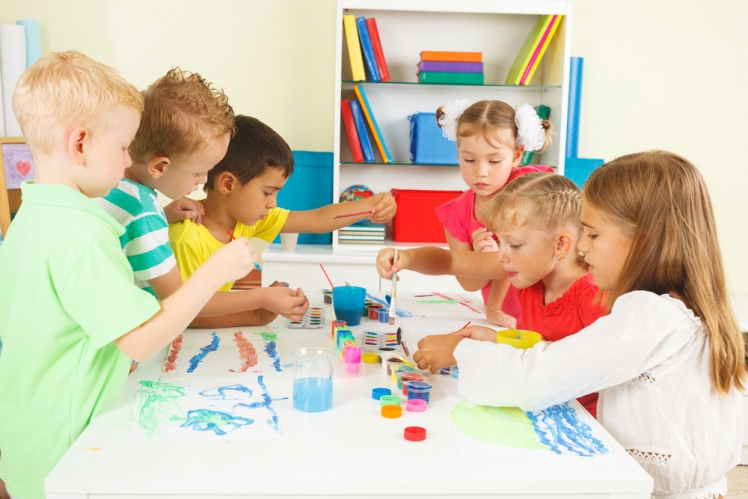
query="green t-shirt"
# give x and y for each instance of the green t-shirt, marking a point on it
(66, 292)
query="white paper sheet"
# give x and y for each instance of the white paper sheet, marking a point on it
(209, 408)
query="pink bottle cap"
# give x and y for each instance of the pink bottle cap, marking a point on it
(416, 405)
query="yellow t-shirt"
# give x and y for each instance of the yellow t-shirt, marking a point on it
(193, 244)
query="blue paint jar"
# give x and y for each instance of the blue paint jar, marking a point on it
(419, 390)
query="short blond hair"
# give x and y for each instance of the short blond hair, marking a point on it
(183, 113)
(66, 89)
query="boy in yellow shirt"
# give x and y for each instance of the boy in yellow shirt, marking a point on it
(184, 132)
(242, 193)
(70, 315)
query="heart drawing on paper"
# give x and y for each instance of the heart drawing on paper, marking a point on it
(23, 167)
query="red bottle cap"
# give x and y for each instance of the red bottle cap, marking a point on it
(415, 433)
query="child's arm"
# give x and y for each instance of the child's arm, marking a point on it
(230, 262)
(494, 313)
(430, 260)
(467, 283)
(281, 300)
(259, 317)
(379, 209)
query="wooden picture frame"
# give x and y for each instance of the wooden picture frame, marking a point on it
(10, 199)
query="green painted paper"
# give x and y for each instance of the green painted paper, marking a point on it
(439, 302)
(505, 426)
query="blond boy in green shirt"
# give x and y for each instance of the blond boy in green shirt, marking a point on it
(70, 315)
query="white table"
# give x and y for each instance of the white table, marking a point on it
(350, 450)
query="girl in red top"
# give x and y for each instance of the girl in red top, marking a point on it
(537, 220)
(491, 137)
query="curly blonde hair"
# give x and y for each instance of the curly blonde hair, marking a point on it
(183, 113)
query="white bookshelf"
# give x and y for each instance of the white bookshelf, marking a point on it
(497, 28)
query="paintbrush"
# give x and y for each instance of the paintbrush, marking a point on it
(353, 214)
(257, 265)
(393, 308)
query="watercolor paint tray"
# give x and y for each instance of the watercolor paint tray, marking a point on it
(314, 318)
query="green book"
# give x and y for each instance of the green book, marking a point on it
(543, 113)
(450, 78)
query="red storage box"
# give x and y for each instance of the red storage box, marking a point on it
(416, 220)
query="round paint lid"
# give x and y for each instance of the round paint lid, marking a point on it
(389, 400)
(392, 411)
(378, 393)
(370, 358)
(416, 405)
(415, 433)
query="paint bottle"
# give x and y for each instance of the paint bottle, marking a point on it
(419, 390)
(352, 360)
(312, 385)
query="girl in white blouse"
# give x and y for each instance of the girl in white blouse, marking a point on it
(668, 360)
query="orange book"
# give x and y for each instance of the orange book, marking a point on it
(430, 55)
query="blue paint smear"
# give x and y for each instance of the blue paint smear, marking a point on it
(273, 354)
(194, 361)
(267, 401)
(398, 311)
(225, 392)
(219, 423)
(558, 427)
(286, 366)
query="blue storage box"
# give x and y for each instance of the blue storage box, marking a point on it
(579, 169)
(427, 144)
(308, 187)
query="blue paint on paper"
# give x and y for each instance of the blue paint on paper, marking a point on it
(398, 311)
(231, 392)
(273, 354)
(267, 401)
(286, 366)
(558, 427)
(212, 347)
(218, 422)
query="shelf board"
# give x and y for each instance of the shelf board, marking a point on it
(372, 248)
(396, 163)
(492, 85)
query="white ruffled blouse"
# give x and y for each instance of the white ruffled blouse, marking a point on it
(649, 359)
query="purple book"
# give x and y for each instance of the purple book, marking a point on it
(451, 67)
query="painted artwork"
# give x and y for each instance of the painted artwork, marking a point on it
(501, 430)
(204, 409)
(435, 305)
(223, 352)
(19, 165)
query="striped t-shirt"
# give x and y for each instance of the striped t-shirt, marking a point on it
(146, 238)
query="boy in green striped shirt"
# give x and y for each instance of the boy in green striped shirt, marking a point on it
(184, 132)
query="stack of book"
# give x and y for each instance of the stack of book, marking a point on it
(356, 114)
(459, 68)
(528, 59)
(362, 233)
(365, 49)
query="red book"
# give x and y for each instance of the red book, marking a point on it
(384, 73)
(350, 131)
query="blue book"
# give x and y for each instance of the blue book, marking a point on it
(369, 115)
(363, 134)
(367, 49)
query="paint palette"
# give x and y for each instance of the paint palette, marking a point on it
(314, 318)
(224, 352)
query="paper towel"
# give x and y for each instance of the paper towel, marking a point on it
(12, 65)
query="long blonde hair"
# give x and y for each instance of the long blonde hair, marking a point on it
(660, 199)
(541, 201)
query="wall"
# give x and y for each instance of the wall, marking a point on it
(668, 74)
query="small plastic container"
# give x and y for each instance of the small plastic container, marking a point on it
(415, 434)
(373, 313)
(335, 326)
(455, 372)
(392, 363)
(352, 360)
(400, 368)
(378, 393)
(419, 390)
(389, 400)
(392, 411)
(518, 338)
(416, 405)
(409, 376)
(348, 303)
(384, 316)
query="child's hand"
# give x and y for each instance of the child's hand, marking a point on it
(233, 261)
(501, 318)
(184, 208)
(384, 209)
(437, 352)
(286, 302)
(386, 267)
(479, 333)
(279, 284)
(483, 241)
